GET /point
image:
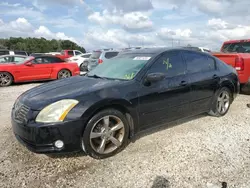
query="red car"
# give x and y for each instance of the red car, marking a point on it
(36, 68)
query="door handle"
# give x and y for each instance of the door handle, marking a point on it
(183, 83)
(215, 76)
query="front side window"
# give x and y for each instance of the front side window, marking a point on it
(41, 60)
(197, 62)
(170, 63)
(18, 59)
(123, 67)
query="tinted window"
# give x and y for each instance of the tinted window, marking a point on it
(77, 53)
(54, 60)
(171, 63)
(4, 52)
(198, 62)
(70, 53)
(41, 60)
(109, 55)
(20, 53)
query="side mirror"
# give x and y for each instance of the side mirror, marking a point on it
(28, 64)
(155, 77)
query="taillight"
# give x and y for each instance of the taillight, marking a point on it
(100, 61)
(239, 64)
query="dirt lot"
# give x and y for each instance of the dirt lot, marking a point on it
(198, 152)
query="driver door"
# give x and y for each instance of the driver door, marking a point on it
(37, 69)
(167, 99)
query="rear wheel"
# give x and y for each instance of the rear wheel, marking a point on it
(222, 102)
(63, 74)
(6, 79)
(106, 134)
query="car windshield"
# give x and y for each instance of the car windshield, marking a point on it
(122, 67)
(238, 47)
(26, 59)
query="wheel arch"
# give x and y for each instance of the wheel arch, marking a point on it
(121, 105)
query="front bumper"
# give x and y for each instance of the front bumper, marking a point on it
(40, 138)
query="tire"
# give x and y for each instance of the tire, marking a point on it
(64, 74)
(6, 79)
(83, 67)
(100, 128)
(222, 99)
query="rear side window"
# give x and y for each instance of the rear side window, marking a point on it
(95, 55)
(198, 62)
(171, 63)
(109, 55)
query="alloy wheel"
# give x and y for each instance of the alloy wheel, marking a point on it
(223, 102)
(64, 74)
(5, 79)
(107, 134)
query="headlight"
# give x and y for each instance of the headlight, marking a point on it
(56, 112)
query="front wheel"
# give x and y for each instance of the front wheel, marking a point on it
(222, 102)
(63, 74)
(105, 134)
(6, 79)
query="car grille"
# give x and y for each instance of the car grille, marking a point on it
(20, 112)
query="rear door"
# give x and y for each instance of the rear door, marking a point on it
(204, 80)
(168, 99)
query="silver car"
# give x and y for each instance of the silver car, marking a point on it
(99, 57)
(11, 58)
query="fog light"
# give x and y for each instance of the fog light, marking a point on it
(59, 144)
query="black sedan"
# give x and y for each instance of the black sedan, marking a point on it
(100, 112)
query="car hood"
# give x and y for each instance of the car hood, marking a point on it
(7, 64)
(69, 88)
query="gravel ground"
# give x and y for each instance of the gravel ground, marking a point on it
(200, 152)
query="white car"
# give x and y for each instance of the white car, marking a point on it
(81, 60)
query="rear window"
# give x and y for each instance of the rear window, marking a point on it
(238, 47)
(109, 55)
(70, 53)
(95, 55)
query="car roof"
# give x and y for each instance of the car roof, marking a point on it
(14, 56)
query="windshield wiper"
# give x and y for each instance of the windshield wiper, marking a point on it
(95, 76)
